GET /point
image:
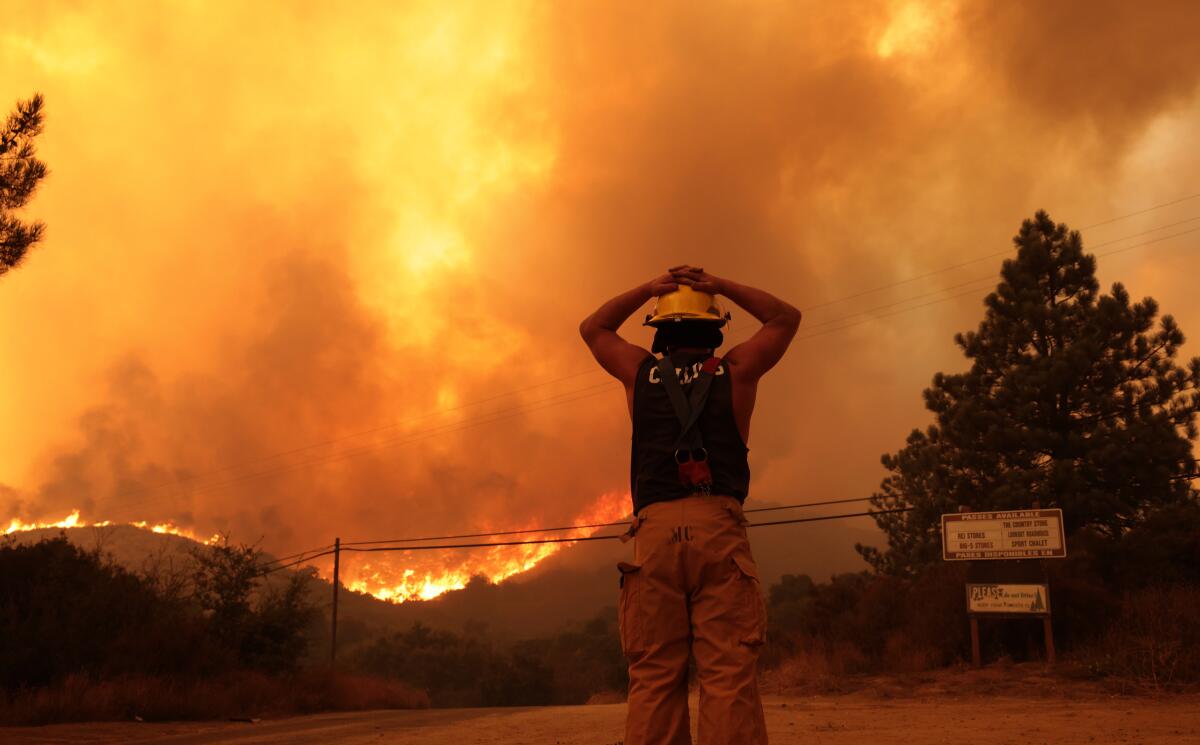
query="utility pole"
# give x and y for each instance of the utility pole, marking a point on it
(337, 555)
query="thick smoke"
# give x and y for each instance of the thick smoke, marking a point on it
(301, 232)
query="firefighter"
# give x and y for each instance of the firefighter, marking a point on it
(692, 587)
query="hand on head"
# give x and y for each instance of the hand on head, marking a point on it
(660, 286)
(694, 277)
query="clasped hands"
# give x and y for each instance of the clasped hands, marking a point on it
(685, 274)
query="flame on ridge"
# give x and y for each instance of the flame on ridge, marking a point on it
(388, 579)
(73, 520)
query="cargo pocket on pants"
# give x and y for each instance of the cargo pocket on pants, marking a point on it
(629, 612)
(752, 616)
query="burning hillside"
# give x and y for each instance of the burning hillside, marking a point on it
(399, 576)
(73, 520)
(334, 289)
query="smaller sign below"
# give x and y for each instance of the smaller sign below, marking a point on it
(1015, 534)
(1032, 600)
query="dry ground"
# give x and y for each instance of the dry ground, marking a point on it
(859, 718)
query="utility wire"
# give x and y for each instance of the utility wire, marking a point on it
(487, 544)
(354, 545)
(991, 277)
(526, 531)
(610, 537)
(935, 272)
(831, 517)
(971, 291)
(556, 529)
(799, 505)
(299, 554)
(264, 571)
(1152, 208)
(542, 541)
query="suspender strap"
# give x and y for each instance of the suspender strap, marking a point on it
(688, 409)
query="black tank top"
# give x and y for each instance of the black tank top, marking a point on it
(653, 473)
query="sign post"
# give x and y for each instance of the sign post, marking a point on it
(1002, 582)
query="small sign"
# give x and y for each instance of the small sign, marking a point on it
(1018, 534)
(1025, 599)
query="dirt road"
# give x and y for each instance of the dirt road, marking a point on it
(822, 720)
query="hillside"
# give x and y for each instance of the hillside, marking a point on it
(570, 586)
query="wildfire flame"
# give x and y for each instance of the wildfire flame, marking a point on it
(388, 578)
(73, 520)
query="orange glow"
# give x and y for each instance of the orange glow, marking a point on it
(912, 28)
(389, 578)
(73, 520)
(312, 273)
(70, 521)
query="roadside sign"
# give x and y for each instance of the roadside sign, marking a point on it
(1016, 534)
(1013, 599)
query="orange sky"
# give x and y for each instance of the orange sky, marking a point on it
(293, 228)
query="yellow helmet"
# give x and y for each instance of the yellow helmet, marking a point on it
(686, 304)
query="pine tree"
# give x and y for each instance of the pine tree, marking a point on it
(20, 172)
(1073, 399)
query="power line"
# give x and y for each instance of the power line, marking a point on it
(831, 517)
(487, 544)
(526, 531)
(264, 571)
(1152, 208)
(808, 504)
(971, 282)
(324, 550)
(926, 275)
(561, 528)
(991, 277)
(611, 537)
(299, 553)
(968, 292)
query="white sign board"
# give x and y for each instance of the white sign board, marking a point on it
(1018, 534)
(1031, 599)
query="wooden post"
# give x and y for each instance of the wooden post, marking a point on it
(976, 658)
(337, 555)
(1048, 630)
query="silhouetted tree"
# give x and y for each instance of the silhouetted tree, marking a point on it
(64, 610)
(20, 173)
(1073, 399)
(263, 629)
(224, 577)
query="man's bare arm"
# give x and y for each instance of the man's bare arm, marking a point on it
(599, 330)
(758, 354)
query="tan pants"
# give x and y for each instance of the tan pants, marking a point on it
(692, 587)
